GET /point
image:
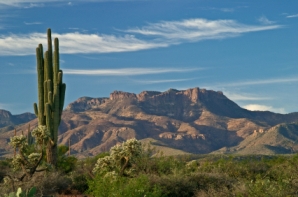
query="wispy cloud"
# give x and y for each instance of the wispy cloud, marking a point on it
(32, 23)
(37, 3)
(219, 9)
(163, 81)
(264, 20)
(245, 97)
(193, 30)
(127, 71)
(4, 106)
(260, 82)
(155, 35)
(71, 43)
(257, 107)
(292, 16)
(227, 9)
(32, 5)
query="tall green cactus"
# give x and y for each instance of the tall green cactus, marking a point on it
(51, 94)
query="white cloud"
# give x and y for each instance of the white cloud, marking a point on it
(220, 9)
(164, 81)
(193, 30)
(37, 3)
(126, 71)
(227, 9)
(292, 16)
(71, 43)
(4, 106)
(245, 97)
(260, 82)
(264, 20)
(161, 34)
(256, 107)
(32, 23)
(32, 5)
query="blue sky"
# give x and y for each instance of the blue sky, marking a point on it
(247, 49)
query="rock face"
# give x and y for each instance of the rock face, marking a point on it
(85, 103)
(193, 120)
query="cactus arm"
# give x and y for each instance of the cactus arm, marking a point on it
(40, 79)
(56, 110)
(46, 97)
(35, 109)
(62, 97)
(50, 97)
(50, 59)
(56, 59)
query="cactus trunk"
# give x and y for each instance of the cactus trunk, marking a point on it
(51, 94)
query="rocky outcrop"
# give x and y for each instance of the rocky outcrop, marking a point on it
(145, 95)
(122, 95)
(181, 136)
(85, 103)
(5, 114)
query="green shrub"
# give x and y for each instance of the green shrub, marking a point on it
(118, 186)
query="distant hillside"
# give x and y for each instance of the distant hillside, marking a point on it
(8, 121)
(194, 121)
(280, 139)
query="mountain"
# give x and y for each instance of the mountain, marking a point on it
(193, 120)
(281, 139)
(8, 121)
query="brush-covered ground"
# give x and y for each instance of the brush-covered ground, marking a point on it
(137, 173)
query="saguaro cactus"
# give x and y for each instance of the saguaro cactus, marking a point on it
(51, 94)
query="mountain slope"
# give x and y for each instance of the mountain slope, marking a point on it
(280, 139)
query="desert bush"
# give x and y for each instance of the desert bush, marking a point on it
(51, 183)
(119, 186)
(65, 163)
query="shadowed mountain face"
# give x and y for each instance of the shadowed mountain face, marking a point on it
(8, 121)
(194, 120)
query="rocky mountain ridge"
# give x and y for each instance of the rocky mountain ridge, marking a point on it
(193, 120)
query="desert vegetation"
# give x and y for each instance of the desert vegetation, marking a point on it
(133, 169)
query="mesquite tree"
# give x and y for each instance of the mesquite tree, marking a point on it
(51, 94)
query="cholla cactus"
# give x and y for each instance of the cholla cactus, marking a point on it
(41, 134)
(19, 142)
(103, 165)
(27, 159)
(17, 162)
(121, 158)
(130, 148)
(33, 157)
